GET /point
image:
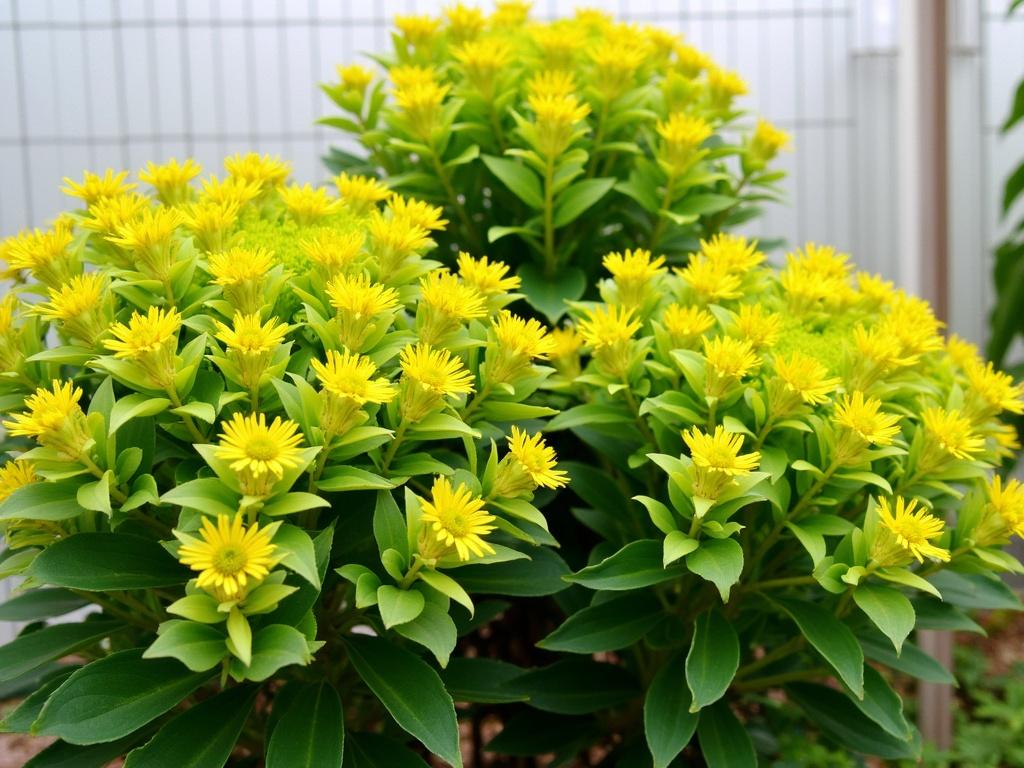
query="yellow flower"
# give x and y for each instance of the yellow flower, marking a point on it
(962, 352)
(717, 461)
(151, 341)
(690, 61)
(12, 352)
(306, 204)
(913, 324)
(991, 391)
(558, 44)
(95, 187)
(242, 273)
(906, 532)
(682, 136)
(565, 351)
(445, 303)
(360, 193)
(418, 30)
(1007, 502)
(760, 328)
(724, 86)
(764, 144)
(230, 559)
(555, 120)
(731, 253)
(421, 106)
(150, 239)
(355, 78)
(252, 168)
(633, 272)
(805, 377)
(358, 302)
(538, 459)
(728, 361)
(348, 383)
(509, 13)
(616, 62)
(875, 290)
(552, 83)
(428, 376)
(456, 517)
(417, 212)
(685, 324)
(259, 454)
(862, 423)
(211, 222)
(877, 353)
(464, 22)
(232, 189)
(608, 330)
(81, 306)
(14, 475)
(412, 75)
(171, 180)
(816, 275)
(486, 277)
(394, 241)
(334, 251)
(947, 435)
(518, 343)
(45, 254)
(251, 345)
(481, 61)
(108, 214)
(709, 280)
(54, 418)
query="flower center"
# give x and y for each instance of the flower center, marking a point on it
(229, 560)
(261, 449)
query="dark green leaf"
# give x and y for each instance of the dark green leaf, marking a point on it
(311, 732)
(636, 565)
(198, 646)
(537, 577)
(529, 733)
(576, 686)
(32, 649)
(273, 647)
(668, 722)
(975, 591)
(40, 604)
(60, 754)
(578, 198)
(1014, 187)
(724, 741)
(832, 639)
(434, 629)
(607, 626)
(21, 718)
(99, 562)
(518, 178)
(371, 750)
(911, 661)
(411, 691)
(882, 704)
(713, 659)
(548, 293)
(483, 681)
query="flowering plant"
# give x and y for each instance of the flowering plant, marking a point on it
(273, 447)
(789, 472)
(527, 133)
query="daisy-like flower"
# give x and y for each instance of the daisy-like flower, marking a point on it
(14, 475)
(251, 345)
(728, 361)
(556, 119)
(565, 351)
(94, 187)
(230, 558)
(409, 75)
(355, 77)
(394, 240)
(252, 168)
(877, 353)
(947, 435)
(358, 302)
(962, 352)
(445, 304)
(232, 189)
(530, 464)
(616, 62)
(242, 273)
(799, 378)
(861, 423)
(905, 533)
(81, 306)
(681, 137)
(634, 272)
(360, 194)
(306, 204)
(419, 213)
(1006, 500)
(333, 251)
(709, 280)
(108, 214)
(519, 343)
(464, 22)
(454, 518)
(417, 30)
(54, 418)
(481, 61)
(558, 44)
(759, 327)
(724, 86)
(690, 61)
(764, 145)
(510, 13)
(608, 330)
(171, 180)
(816, 275)
(734, 254)
(488, 278)
(875, 291)
(47, 255)
(428, 376)
(259, 453)
(552, 82)
(211, 221)
(717, 460)
(421, 107)
(151, 341)
(347, 383)
(686, 324)
(149, 238)
(990, 391)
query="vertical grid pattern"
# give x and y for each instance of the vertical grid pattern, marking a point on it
(98, 83)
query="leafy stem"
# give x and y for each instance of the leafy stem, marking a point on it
(550, 260)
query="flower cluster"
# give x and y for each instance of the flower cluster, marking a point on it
(554, 119)
(234, 366)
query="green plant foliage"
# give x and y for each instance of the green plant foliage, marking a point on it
(528, 133)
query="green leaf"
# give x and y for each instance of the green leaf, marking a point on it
(338, 479)
(95, 495)
(273, 647)
(447, 586)
(32, 649)
(1017, 109)
(719, 561)
(389, 527)
(636, 565)
(882, 704)
(298, 552)
(411, 691)
(203, 736)
(538, 576)
(136, 406)
(434, 629)
(198, 646)
(311, 732)
(398, 606)
(518, 178)
(101, 562)
(911, 661)
(700, 205)
(549, 294)
(588, 415)
(724, 742)
(840, 720)
(713, 659)
(889, 609)
(1013, 188)
(832, 639)
(40, 604)
(576, 686)
(21, 718)
(60, 754)
(482, 681)
(42, 501)
(677, 545)
(606, 626)
(114, 696)
(975, 591)
(668, 722)
(578, 198)
(371, 750)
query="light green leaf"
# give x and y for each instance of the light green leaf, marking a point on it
(832, 639)
(518, 178)
(889, 609)
(578, 198)
(398, 606)
(198, 646)
(719, 561)
(636, 565)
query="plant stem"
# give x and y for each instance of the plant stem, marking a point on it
(475, 403)
(393, 447)
(410, 575)
(116, 493)
(790, 581)
(550, 260)
(792, 646)
(773, 681)
(453, 199)
(666, 201)
(190, 425)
